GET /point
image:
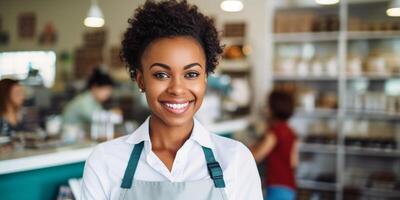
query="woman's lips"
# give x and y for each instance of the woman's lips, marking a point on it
(175, 107)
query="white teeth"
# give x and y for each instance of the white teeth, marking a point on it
(177, 106)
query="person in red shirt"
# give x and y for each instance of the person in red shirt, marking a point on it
(278, 146)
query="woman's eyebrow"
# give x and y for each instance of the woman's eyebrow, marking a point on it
(192, 65)
(160, 65)
(169, 68)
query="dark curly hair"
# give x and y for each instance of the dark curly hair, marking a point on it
(166, 19)
(281, 104)
(99, 78)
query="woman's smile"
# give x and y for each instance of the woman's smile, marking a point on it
(177, 107)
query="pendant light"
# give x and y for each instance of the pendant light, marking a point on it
(327, 2)
(95, 16)
(394, 9)
(232, 5)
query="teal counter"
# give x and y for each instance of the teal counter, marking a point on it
(37, 174)
(39, 184)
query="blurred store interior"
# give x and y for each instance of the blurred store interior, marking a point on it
(341, 60)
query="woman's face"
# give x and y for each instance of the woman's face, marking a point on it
(17, 95)
(174, 79)
(101, 93)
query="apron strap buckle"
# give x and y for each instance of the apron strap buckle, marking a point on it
(216, 174)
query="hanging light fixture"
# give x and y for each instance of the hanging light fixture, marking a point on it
(231, 5)
(394, 9)
(95, 16)
(327, 2)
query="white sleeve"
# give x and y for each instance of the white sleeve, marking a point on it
(248, 184)
(95, 181)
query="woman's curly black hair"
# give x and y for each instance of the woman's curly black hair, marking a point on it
(166, 19)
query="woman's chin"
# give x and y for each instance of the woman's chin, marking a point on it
(175, 121)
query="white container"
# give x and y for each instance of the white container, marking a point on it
(303, 68)
(354, 66)
(72, 133)
(331, 66)
(286, 67)
(377, 65)
(53, 125)
(307, 101)
(317, 68)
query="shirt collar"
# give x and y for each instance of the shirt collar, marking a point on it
(140, 134)
(199, 134)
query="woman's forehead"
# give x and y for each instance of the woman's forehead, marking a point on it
(178, 50)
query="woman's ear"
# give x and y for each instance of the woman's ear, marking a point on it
(139, 80)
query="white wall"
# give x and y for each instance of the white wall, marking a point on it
(67, 17)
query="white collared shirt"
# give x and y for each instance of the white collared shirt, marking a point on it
(106, 165)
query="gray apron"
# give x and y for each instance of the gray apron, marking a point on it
(210, 189)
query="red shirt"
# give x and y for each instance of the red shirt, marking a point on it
(279, 170)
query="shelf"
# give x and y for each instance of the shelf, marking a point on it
(233, 40)
(306, 37)
(304, 78)
(317, 148)
(381, 193)
(362, 151)
(316, 185)
(372, 114)
(316, 113)
(240, 65)
(349, 150)
(302, 37)
(371, 35)
(372, 77)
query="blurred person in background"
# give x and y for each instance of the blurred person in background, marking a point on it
(79, 111)
(278, 147)
(12, 96)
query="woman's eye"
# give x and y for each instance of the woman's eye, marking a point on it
(161, 75)
(192, 75)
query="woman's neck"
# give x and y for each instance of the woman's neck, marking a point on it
(11, 116)
(278, 121)
(170, 138)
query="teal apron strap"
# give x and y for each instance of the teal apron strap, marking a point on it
(214, 169)
(132, 164)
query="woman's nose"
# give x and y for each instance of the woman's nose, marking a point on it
(176, 86)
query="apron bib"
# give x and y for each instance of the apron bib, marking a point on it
(210, 189)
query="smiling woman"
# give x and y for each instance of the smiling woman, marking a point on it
(170, 48)
(174, 79)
